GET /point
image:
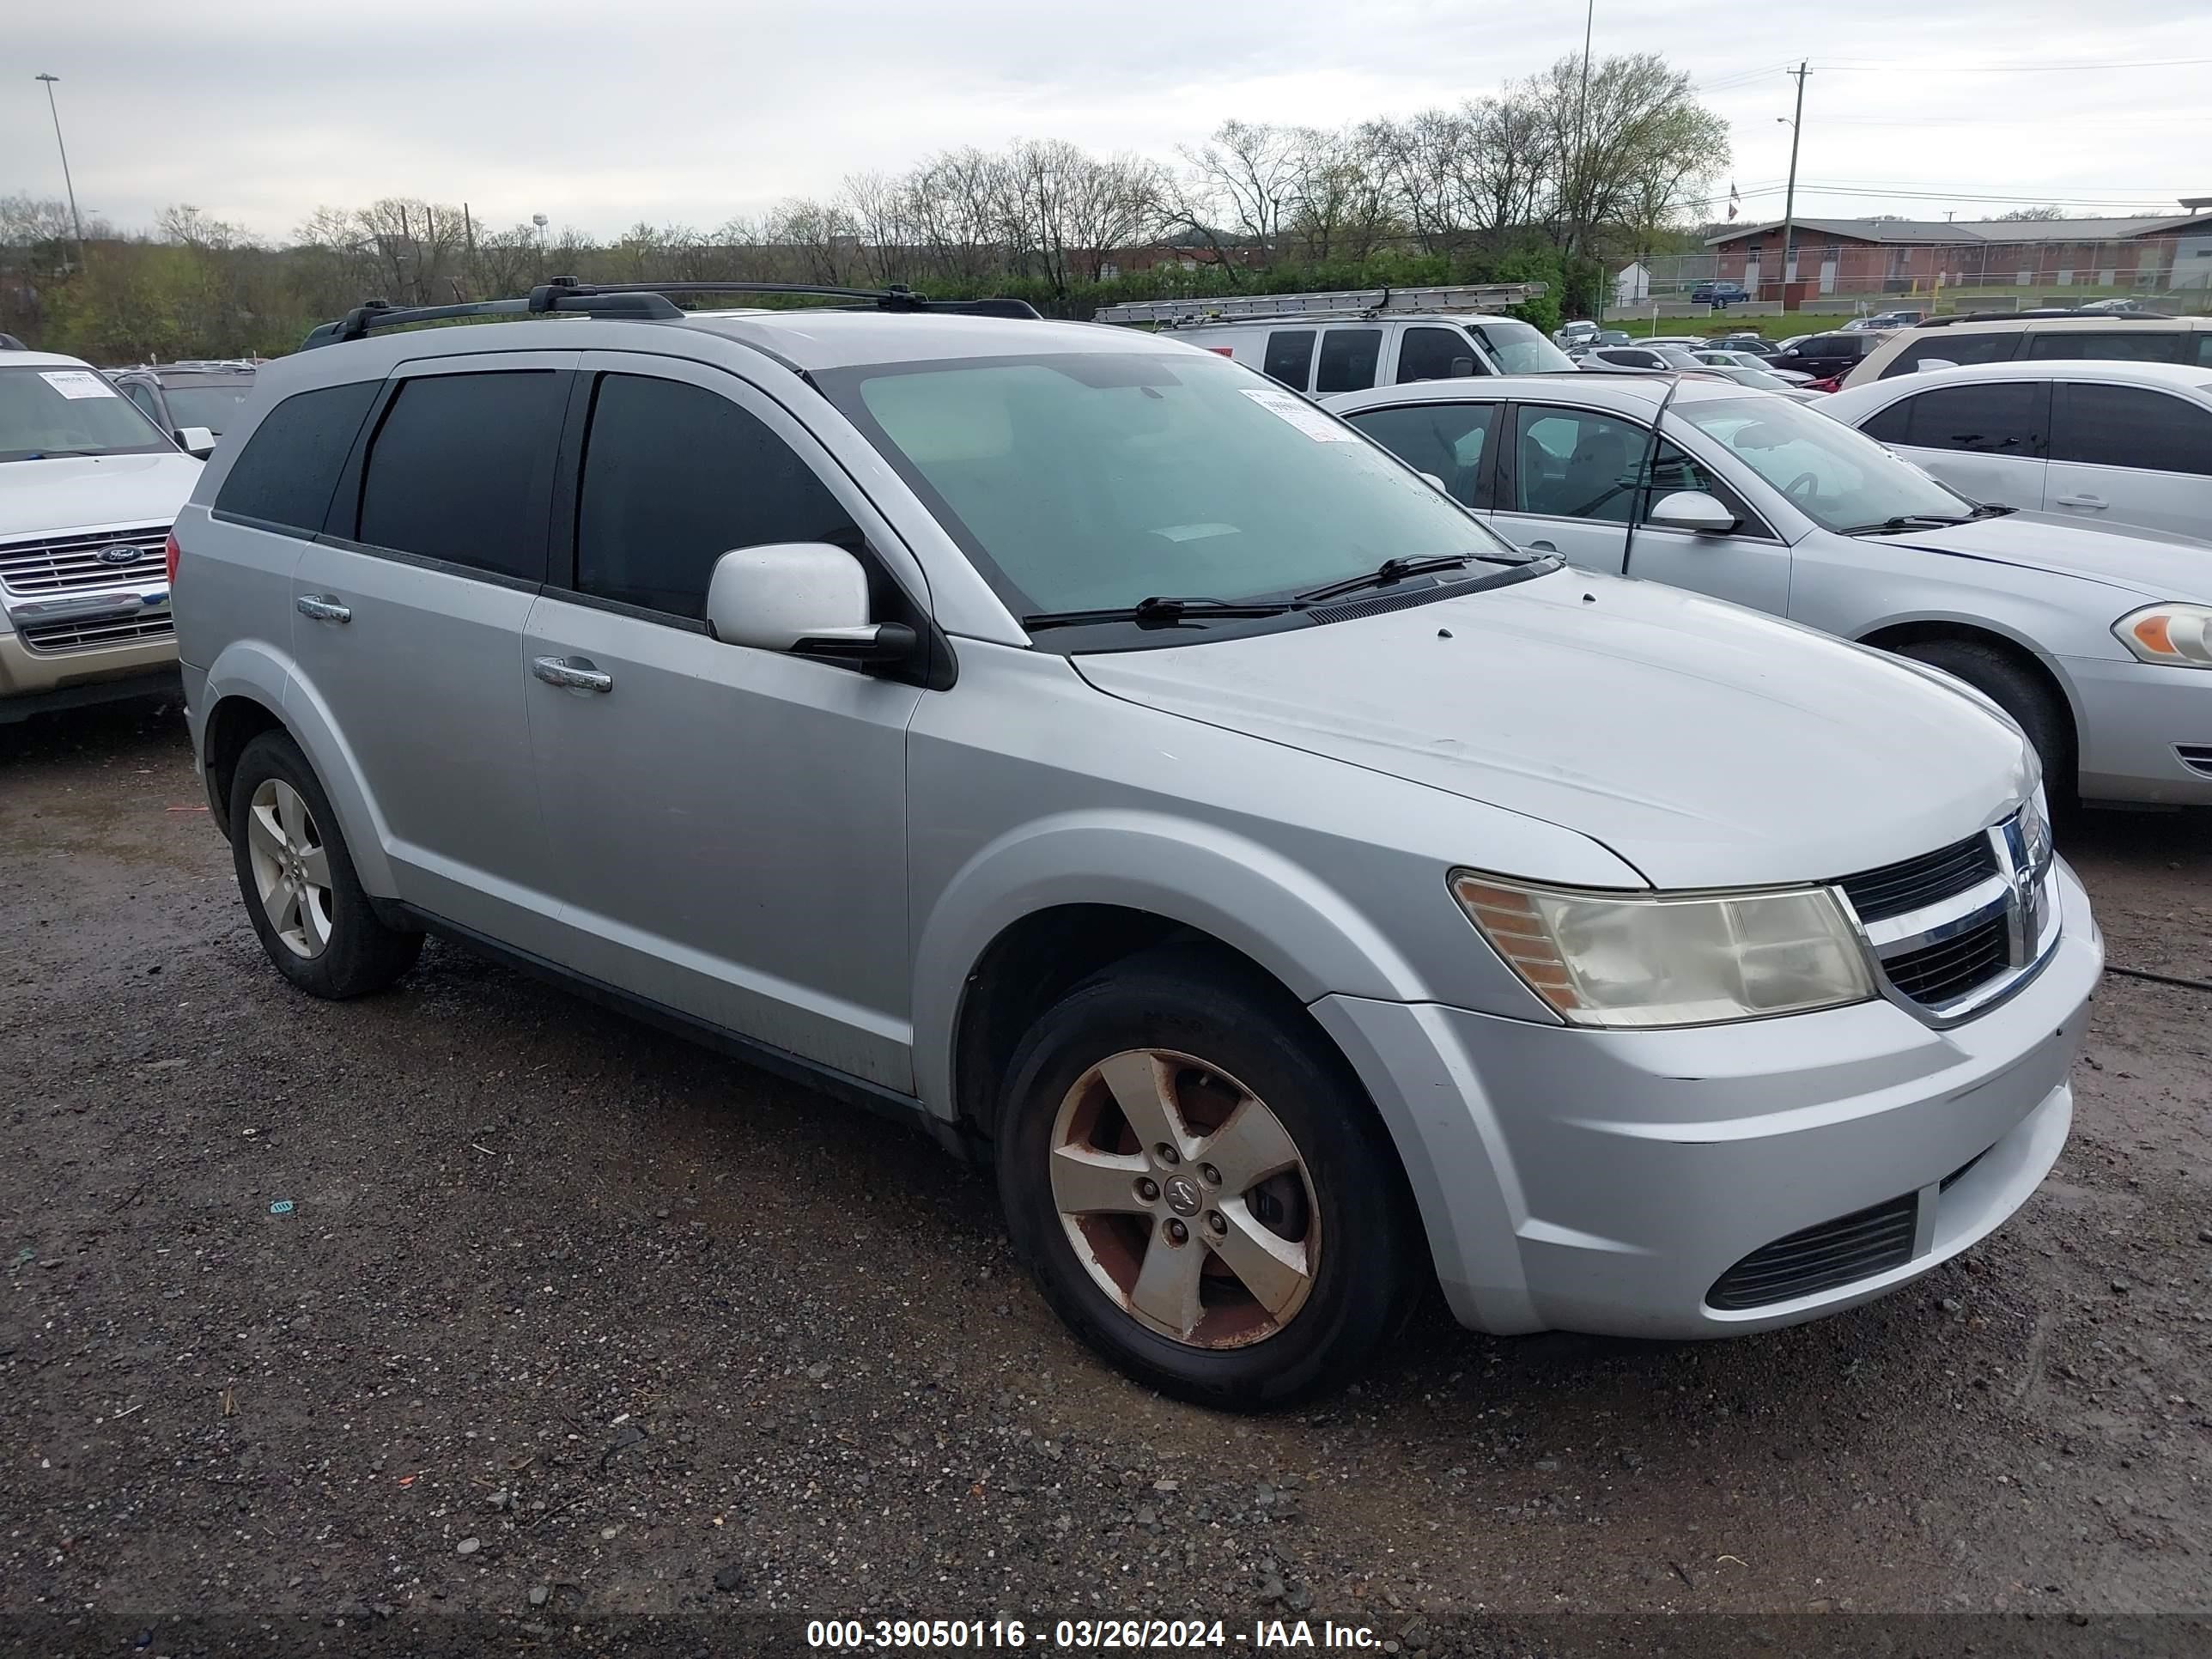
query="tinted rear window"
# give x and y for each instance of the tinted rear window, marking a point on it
(1348, 356)
(285, 474)
(1290, 357)
(2129, 426)
(1950, 347)
(2140, 345)
(2004, 417)
(461, 468)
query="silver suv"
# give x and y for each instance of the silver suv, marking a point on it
(1081, 745)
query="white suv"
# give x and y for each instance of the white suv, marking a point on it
(88, 489)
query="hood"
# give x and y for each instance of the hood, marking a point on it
(1708, 745)
(93, 492)
(2150, 562)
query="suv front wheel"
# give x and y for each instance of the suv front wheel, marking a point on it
(1201, 1186)
(307, 904)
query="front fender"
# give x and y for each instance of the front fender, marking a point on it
(259, 671)
(1283, 916)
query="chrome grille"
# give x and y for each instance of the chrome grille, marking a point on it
(1941, 973)
(63, 565)
(52, 637)
(1911, 883)
(1953, 931)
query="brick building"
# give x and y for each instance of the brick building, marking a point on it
(1912, 256)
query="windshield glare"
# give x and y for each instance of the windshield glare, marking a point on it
(1837, 477)
(60, 411)
(1094, 480)
(1519, 348)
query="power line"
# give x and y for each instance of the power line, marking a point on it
(2011, 68)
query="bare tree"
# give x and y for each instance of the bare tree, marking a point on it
(1249, 175)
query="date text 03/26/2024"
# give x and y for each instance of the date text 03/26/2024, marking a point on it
(1090, 1635)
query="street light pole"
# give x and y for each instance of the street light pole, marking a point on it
(1790, 195)
(76, 223)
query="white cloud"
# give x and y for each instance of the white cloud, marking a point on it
(599, 114)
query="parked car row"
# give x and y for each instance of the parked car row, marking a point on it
(1262, 836)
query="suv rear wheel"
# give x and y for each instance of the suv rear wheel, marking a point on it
(298, 881)
(1201, 1186)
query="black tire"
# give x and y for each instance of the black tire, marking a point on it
(1370, 1268)
(2033, 704)
(362, 955)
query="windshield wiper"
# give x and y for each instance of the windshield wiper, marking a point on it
(1991, 510)
(1160, 609)
(1908, 521)
(1389, 571)
(56, 454)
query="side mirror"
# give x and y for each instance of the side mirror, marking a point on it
(1692, 510)
(1436, 483)
(808, 599)
(1462, 369)
(1927, 363)
(196, 441)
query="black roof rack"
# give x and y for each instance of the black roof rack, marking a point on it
(2036, 311)
(644, 302)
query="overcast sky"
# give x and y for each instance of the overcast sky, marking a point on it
(598, 114)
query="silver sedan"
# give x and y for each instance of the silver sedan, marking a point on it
(2097, 642)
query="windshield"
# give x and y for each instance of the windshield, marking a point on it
(1677, 356)
(214, 407)
(1519, 348)
(1094, 480)
(46, 413)
(1743, 375)
(1840, 478)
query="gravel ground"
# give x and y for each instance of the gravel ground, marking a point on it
(472, 1318)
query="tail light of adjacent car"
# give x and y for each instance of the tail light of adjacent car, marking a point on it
(169, 554)
(1833, 383)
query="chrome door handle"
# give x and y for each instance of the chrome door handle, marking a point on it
(2081, 501)
(576, 675)
(323, 607)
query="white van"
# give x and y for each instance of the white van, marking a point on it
(1319, 343)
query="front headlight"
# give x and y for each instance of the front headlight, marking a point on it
(1639, 960)
(2178, 635)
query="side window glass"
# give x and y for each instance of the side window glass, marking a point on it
(289, 467)
(1348, 357)
(2204, 339)
(2001, 419)
(2142, 345)
(144, 398)
(461, 470)
(2127, 426)
(1290, 357)
(1434, 354)
(1673, 469)
(1948, 348)
(674, 478)
(1893, 425)
(1574, 463)
(1450, 440)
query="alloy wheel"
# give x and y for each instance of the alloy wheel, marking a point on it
(291, 867)
(1185, 1199)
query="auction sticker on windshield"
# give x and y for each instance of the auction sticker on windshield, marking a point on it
(1304, 417)
(77, 383)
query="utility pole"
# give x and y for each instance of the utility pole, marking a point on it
(76, 223)
(1582, 149)
(1790, 195)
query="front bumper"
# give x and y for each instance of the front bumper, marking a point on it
(33, 682)
(1603, 1181)
(2133, 716)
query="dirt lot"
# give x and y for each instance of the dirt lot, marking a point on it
(575, 1337)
